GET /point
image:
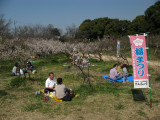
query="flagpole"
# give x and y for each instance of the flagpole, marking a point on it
(149, 70)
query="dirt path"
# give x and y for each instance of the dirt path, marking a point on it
(113, 58)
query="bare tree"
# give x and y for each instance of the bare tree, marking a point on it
(36, 31)
(4, 26)
(71, 32)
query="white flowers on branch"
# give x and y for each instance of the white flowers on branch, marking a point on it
(26, 47)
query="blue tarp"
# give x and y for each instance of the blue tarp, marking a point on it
(130, 79)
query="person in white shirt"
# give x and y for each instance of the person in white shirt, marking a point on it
(14, 70)
(50, 83)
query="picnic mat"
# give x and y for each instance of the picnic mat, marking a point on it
(130, 79)
(52, 95)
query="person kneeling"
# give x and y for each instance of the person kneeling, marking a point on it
(63, 93)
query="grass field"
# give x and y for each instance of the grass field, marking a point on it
(105, 101)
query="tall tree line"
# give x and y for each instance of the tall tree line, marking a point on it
(100, 27)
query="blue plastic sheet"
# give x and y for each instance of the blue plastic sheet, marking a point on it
(130, 79)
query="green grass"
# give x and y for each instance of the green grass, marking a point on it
(8, 98)
(3, 93)
(119, 107)
(141, 113)
(32, 107)
(26, 89)
(69, 77)
(17, 82)
(104, 99)
(101, 66)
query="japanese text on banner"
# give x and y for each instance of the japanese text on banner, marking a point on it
(139, 61)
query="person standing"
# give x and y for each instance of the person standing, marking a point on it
(29, 67)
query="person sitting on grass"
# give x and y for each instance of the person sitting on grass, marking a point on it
(119, 68)
(14, 70)
(114, 75)
(50, 83)
(63, 93)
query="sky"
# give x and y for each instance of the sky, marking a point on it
(64, 13)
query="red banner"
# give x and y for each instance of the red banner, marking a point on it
(139, 61)
(118, 48)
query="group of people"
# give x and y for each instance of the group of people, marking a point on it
(61, 91)
(22, 71)
(119, 72)
(78, 60)
(51, 84)
(64, 93)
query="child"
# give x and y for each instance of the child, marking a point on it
(63, 93)
(125, 73)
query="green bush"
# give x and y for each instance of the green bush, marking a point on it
(17, 82)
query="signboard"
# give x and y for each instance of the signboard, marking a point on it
(139, 61)
(118, 48)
